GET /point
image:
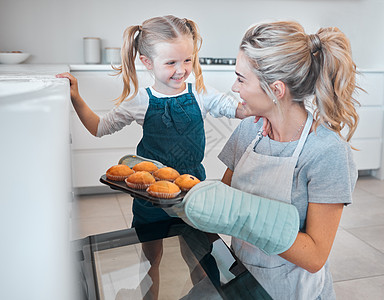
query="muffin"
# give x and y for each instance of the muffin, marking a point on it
(186, 182)
(166, 173)
(145, 166)
(140, 180)
(163, 189)
(119, 172)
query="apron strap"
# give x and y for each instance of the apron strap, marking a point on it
(149, 92)
(304, 135)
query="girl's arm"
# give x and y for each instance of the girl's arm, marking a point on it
(311, 249)
(89, 119)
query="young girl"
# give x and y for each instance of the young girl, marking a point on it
(171, 111)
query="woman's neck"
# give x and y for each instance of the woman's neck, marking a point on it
(287, 124)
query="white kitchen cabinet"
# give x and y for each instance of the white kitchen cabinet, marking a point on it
(93, 156)
(368, 138)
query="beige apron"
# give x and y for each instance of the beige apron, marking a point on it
(272, 177)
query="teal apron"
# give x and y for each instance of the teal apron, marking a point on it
(173, 134)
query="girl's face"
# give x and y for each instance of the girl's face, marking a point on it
(171, 65)
(255, 101)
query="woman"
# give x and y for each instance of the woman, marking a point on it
(304, 161)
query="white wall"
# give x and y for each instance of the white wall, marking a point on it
(52, 30)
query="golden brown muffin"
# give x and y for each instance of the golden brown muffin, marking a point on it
(119, 172)
(140, 180)
(163, 189)
(186, 182)
(166, 173)
(145, 166)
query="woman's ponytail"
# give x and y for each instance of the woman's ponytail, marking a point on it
(336, 81)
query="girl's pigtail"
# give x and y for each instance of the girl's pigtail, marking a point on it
(197, 41)
(128, 68)
(336, 82)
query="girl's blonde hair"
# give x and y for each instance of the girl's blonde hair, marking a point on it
(142, 39)
(318, 65)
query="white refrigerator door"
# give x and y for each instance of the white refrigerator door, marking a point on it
(35, 188)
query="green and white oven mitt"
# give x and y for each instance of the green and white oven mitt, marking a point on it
(213, 206)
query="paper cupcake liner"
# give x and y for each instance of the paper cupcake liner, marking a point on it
(163, 195)
(184, 189)
(117, 178)
(137, 186)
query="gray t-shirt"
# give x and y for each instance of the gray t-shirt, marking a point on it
(325, 171)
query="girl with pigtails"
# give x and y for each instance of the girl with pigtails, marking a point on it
(282, 195)
(171, 111)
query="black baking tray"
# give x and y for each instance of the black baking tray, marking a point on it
(142, 194)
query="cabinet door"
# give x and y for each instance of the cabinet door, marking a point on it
(373, 84)
(92, 156)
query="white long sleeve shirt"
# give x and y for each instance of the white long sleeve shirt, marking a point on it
(213, 102)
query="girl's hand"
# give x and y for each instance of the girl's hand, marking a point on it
(266, 125)
(73, 85)
(240, 112)
(89, 119)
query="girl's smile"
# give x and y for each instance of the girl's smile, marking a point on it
(171, 65)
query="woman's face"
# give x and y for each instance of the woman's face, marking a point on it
(255, 101)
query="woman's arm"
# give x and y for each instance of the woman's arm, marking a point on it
(89, 119)
(227, 177)
(311, 249)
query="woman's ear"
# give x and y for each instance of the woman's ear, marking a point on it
(147, 62)
(278, 88)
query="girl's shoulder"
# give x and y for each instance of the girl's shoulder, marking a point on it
(141, 98)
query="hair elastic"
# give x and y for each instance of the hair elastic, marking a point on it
(315, 43)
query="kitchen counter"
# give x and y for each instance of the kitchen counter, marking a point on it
(24, 78)
(23, 70)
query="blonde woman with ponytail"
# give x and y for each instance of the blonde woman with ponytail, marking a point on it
(287, 190)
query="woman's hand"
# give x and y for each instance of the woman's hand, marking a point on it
(266, 125)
